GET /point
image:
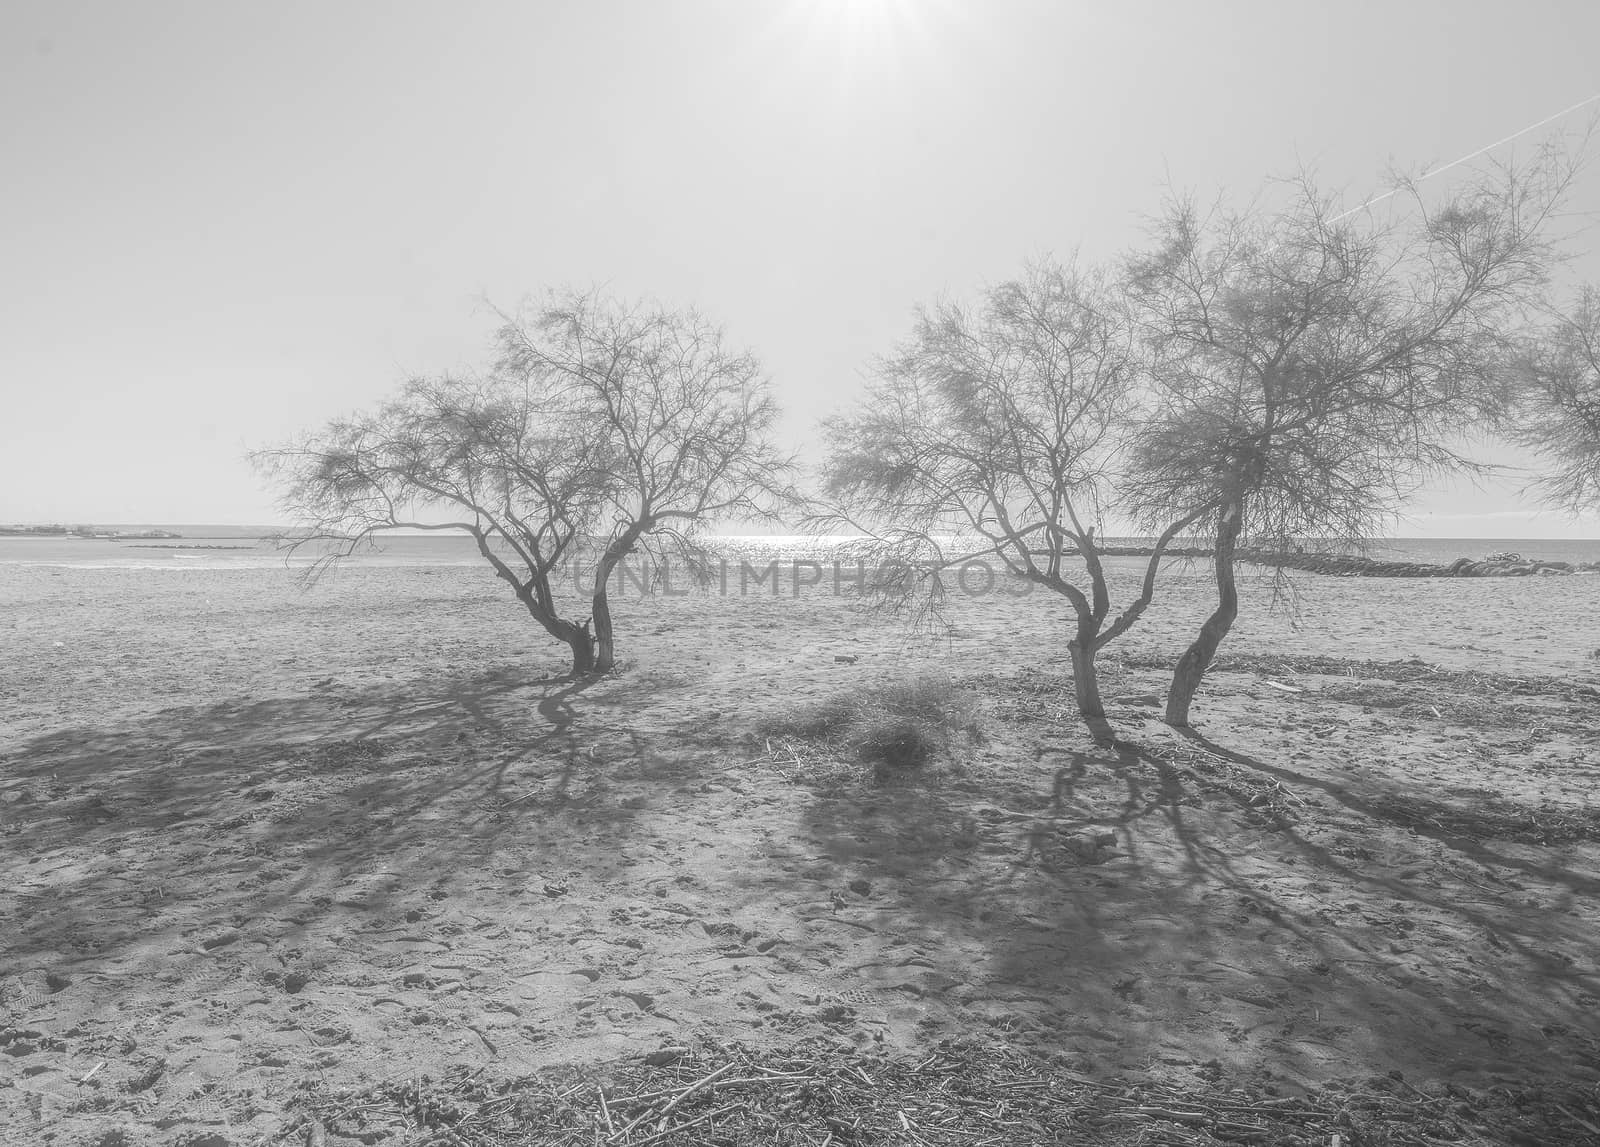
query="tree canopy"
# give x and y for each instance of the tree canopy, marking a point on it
(1313, 366)
(1558, 409)
(602, 430)
(1003, 422)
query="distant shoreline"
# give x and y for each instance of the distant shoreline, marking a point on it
(206, 547)
(148, 546)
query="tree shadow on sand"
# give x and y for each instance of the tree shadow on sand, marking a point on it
(270, 839)
(1146, 916)
(472, 868)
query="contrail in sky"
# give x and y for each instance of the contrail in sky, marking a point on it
(1474, 155)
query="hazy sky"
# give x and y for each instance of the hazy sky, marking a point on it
(221, 223)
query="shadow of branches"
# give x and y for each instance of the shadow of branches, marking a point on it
(1138, 906)
(294, 804)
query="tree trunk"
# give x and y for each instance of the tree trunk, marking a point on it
(604, 634)
(583, 650)
(1192, 666)
(574, 636)
(604, 639)
(1086, 680)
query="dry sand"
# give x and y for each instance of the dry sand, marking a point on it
(257, 840)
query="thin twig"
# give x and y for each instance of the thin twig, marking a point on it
(664, 1132)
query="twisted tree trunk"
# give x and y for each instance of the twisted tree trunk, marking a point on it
(605, 645)
(582, 644)
(605, 642)
(1192, 666)
(1086, 679)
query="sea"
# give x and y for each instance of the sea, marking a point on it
(232, 547)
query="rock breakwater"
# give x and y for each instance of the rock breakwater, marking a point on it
(1351, 565)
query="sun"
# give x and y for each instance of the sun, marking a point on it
(861, 23)
(864, 37)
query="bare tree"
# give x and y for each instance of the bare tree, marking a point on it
(992, 432)
(1557, 412)
(685, 425)
(1316, 369)
(604, 430)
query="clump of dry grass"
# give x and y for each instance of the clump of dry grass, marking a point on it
(957, 1094)
(892, 728)
(897, 744)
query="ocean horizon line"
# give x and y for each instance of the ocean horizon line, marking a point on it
(264, 531)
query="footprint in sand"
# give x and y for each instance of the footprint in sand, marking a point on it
(835, 1014)
(644, 1001)
(291, 982)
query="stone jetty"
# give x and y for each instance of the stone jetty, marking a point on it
(1351, 565)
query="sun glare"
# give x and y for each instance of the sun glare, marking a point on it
(865, 36)
(861, 21)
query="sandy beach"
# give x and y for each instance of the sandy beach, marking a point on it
(262, 841)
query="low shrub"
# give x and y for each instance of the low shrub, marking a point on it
(898, 743)
(895, 727)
